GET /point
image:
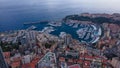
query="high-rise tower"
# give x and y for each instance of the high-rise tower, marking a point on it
(3, 64)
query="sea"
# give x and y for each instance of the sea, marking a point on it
(13, 13)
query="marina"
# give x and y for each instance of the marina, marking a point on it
(31, 27)
(55, 24)
(89, 32)
(59, 34)
(87, 36)
(48, 30)
(82, 32)
(32, 23)
(75, 25)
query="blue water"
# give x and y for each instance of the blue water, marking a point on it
(13, 13)
(63, 28)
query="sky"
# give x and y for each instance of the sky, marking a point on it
(19, 11)
(99, 3)
(107, 6)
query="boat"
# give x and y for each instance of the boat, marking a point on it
(81, 33)
(87, 37)
(48, 30)
(32, 27)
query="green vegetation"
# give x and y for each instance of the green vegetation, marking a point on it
(8, 46)
(98, 20)
(49, 44)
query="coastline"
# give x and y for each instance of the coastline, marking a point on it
(70, 26)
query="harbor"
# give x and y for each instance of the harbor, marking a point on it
(82, 32)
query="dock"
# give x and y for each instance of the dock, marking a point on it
(31, 23)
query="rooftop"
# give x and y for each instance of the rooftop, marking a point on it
(74, 66)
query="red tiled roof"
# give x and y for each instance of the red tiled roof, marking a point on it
(89, 57)
(16, 59)
(6, 54)
(104, 61)
(80, 61)
(84, 66)
(87, 63)
(29, 65)
(74, 66)
(61, 59)
(15, 64)
(70, 60)
(26, 65)
(32, 64)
